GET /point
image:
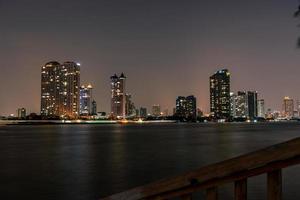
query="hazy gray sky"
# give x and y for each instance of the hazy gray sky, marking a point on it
(166, 48)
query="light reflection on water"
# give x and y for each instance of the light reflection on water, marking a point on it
(91, 161)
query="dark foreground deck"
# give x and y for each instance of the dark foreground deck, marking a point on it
(270, 160)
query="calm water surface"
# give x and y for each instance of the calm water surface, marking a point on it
(91, 161)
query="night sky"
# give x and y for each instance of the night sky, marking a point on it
(166, 48)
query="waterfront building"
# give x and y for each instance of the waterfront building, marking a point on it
(94, 108)
(186, 107)
(288, 107)
(156, 110)
(60, 90)
(252, 104)
(180, 106)
(130, 108)
(143, 112)
(220, 94)
(233, 99)
(191, 107)
(118, 97)
(261, 108)
(86, 99)
(241, 105)
(21, 113)
(50, 89)
(69, 94)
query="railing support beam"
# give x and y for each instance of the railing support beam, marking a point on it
(212, 194)
(240, 190)
(275, 185)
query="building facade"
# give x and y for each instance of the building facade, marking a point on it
(186, 107)
(261, 108)
(118, 97)
(241, 105)
(220, 94)
(94, 110)
(130, 108)
(233, 104)
(252, 104)
(50, 89)
(86, 99)
(70, 83)
(288, 107)
(156, 110)
(21, 113)
(60, 90)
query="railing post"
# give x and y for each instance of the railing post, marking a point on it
(212, 193)
(275, 185)
(240, 190)
(186, 197)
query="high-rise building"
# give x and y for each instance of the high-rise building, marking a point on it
(21, 113)
(60, 90)
(130, 108)
(70, 83)
(220, 94)
(186, 107)
(191, 107)
(252, 104)
(156, 110)
(241, 101)
(86, 99)
(180, 106)
(50, 89)
(261, 108)
(288, 107)
(118, 97)
(94, 108)
(143, 112)
(233, 104)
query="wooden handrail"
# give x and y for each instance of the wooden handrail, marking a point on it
(269, 160)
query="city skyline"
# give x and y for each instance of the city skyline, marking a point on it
(168, 48)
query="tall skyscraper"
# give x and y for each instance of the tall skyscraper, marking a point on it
(186, 107)
(130, 108)
(220, 94)
(288, 107)
(50, 89)
(261, 108)
(232, 104)
(191, 107)
(180, 106)
(70, 80)
(118, 97)
(252, 104)
(156, 110)
(241, 105)
(60, 90)
(86, 99)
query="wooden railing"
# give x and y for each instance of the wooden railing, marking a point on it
(270, 160)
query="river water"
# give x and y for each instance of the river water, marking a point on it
(91, 161)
